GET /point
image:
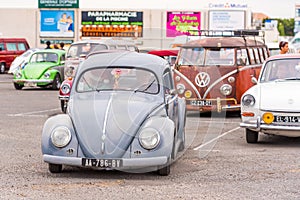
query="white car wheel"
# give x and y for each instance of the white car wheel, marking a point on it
(251, 136)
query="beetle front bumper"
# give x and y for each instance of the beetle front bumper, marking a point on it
(126, 162)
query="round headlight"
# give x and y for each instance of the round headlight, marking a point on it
(149, 138)
(65, 88)
(180, 88)
(248, 100)
(61, 136)
(69, 71)
(268, 118)
(226, 89)
(47, 75)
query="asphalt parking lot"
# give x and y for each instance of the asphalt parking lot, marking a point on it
(217, 164)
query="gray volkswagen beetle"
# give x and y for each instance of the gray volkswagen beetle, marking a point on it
(123, 114)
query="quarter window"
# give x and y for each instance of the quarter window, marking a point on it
(2, 47)
(21, 47)
(242, 57)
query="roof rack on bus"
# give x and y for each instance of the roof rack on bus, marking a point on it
(227, 33)
(244, 33)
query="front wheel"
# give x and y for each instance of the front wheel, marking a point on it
(54, 168)
(17, 86)
(251, 136)
(165, 171)
(56, 82)
(2, 68)
(64, 105)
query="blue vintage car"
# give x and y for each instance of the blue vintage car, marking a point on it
(123, 114)
(45, 68)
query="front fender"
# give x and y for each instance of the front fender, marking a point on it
(71, 149)
(166, 128)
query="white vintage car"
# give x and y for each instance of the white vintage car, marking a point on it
(272, 106)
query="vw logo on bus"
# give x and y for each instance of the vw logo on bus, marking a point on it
(202, 79)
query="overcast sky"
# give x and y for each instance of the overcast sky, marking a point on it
(272, 8)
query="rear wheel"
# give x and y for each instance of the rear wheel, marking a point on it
(56, 82)
(17, 86)
(2, 68)
(54, 168)
(182, 144)
(251, 136)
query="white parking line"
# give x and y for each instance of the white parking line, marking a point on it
(216, 138)
(214, 121)
(32, 113)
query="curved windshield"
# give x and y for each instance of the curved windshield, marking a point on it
(118, 78)
(44, 57)
(83, 49)
(281, 70)
(206, 56)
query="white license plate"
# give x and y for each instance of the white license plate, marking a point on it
(201, 103)
(102, 163)
(294, 119)
(29, 84)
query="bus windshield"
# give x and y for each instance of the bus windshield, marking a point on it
(207, 56)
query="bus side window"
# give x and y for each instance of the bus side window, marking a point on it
(266, 52)
(252, 58)
(257, 56)
(242, 58)
(262, 55)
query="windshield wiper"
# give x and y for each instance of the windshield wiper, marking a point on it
(292, 78)
(146, 88)
(288, 79)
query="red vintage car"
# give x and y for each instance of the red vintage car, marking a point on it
(169, 54)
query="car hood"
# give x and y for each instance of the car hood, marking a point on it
(36, 70)
(106, 123)
(280, 96)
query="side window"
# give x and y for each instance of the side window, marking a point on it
(252, 58)
(11, 46)
(167, 81)
(242, 57)
(2, 47)
(21, 47)
(257, 56)
(262, 55)
(131, 48)
(123, 47)
(63, 58)
(266, 52)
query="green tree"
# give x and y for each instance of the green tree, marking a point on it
(285, 26)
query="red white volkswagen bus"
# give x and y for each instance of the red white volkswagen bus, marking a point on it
(214, 71)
